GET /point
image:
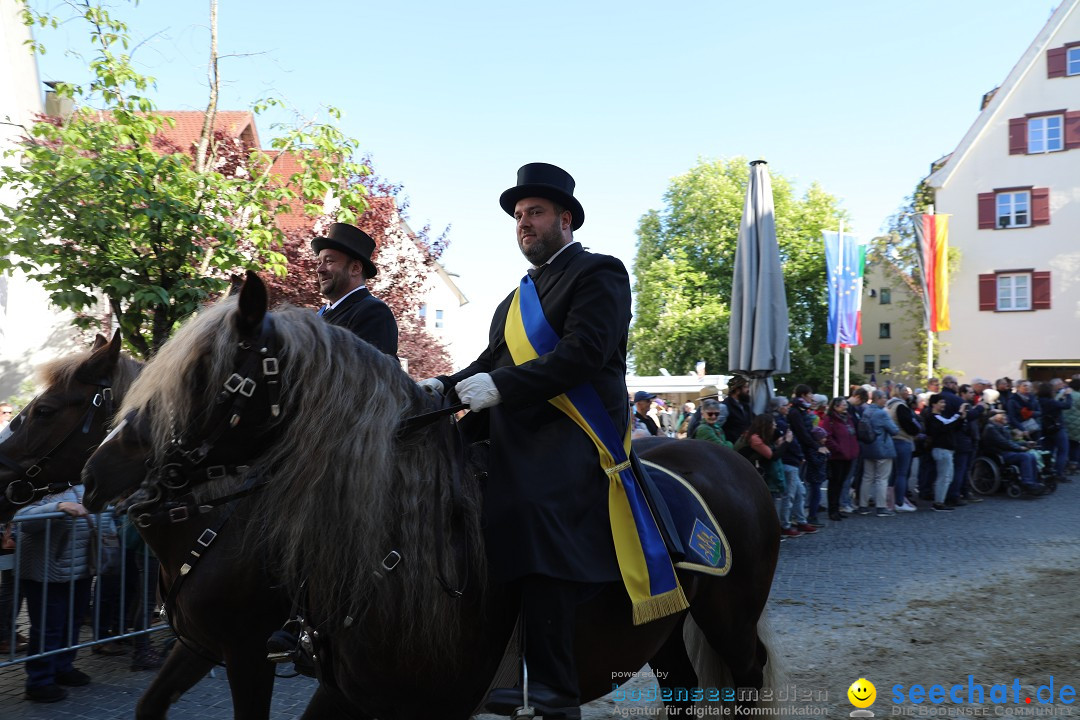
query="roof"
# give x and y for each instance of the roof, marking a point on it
(1029, 61)
(189, 123)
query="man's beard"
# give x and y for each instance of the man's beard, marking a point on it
(550, 241)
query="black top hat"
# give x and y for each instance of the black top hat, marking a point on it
(350, 240)
(546, 181)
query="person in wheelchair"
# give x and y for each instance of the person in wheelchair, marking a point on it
(997, 440)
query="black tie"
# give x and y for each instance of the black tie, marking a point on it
(536, 272)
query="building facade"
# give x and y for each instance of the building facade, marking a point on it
(1012, 187)
(891, 316)
(31, 330)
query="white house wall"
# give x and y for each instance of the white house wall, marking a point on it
(31, 331)
(997, 344)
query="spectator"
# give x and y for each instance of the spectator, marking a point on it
(967, 441)
(877, 456)
(666, 419)
(7, 596)
(997, 440)
(815, 475)
(843, 449)
(978, 386)
(1004, 387)
(950, 392)
(1055, 439)
(682, 424)
(907, 423)
(792, 513)
(859, 399)
(6, 413)
(713, 417)
(642, 405)
(940, 432)
(707, 392)
(739, 411)
(56, 583)
(1023, 410)
(933, 386)
(761, 446)
(1071, 418)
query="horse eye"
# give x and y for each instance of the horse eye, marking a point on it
(43, 412)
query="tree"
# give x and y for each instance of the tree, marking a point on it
(106, 207)
(685, 262)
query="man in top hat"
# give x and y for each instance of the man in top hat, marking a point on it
(546, 506)
(344, 268)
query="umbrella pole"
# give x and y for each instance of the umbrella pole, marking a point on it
(847, 370)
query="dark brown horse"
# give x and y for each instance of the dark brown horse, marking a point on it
(229, 610)
(353, 509)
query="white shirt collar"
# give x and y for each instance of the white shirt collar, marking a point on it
(341, 299)
(557, 254)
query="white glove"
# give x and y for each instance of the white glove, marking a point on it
(478, 392)
(432, 385)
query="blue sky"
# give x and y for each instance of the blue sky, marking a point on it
(451, 98)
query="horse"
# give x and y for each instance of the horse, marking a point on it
(44, 450)
(373, 522)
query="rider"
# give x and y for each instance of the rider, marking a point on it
(547, 526)
(344, 268)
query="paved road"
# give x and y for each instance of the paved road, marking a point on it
(820, 591)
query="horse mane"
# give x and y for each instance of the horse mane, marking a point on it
(346, 489)
(61, 371)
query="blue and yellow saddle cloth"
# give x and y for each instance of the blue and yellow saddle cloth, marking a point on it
(644, 563)
(707, 548)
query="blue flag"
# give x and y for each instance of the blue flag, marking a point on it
(845, 261)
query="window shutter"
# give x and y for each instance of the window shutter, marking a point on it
(1055, 62)
(1040, 290)
(987, 211)
(1018, 136)
(988, 292)
(1040, 206)
(1072, 130)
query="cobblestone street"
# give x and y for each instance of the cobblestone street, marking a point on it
(832, 590)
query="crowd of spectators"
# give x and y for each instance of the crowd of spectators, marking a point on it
(882, 451)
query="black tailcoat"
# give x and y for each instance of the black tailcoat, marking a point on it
(546, 503)
(369, 318)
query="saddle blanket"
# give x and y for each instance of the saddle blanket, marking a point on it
(707, 549)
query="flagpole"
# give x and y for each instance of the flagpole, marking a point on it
(929, 324)
(836, 345)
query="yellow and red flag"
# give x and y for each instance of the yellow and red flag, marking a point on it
(932, 235)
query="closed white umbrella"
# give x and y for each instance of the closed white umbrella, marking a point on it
(758, 336)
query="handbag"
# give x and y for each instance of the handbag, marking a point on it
(1030, 425)
(105, 555)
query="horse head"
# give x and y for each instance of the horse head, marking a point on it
(43, 448)
(177, 436)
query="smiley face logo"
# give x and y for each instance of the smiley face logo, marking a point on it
(862, 693)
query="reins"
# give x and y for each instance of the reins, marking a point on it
(23, 490)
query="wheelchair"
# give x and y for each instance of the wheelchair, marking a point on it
(989, 474)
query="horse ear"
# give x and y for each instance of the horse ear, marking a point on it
(252, 305)
(103, 358)
(99, 340)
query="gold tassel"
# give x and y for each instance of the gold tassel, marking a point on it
(659, 606)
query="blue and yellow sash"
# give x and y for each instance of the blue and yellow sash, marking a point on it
(643, 559)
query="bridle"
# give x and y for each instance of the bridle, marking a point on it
(23, 489)
(183, 464)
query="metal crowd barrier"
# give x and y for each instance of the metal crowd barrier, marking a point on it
(138, 568)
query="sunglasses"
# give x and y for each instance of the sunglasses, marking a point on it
(716, 414)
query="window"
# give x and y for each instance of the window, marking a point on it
(1072, 62)
(1014, 292)
(886, 362)
(1044, 134)
(1013, 209)
(884, 331)
(885, 296)
(868, 365)
(438, 318)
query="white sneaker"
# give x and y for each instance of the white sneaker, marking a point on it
(906, 508)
